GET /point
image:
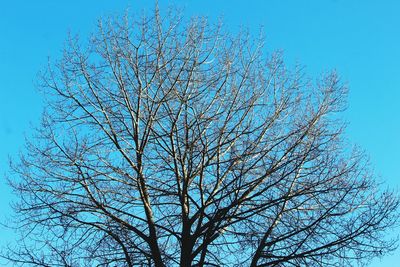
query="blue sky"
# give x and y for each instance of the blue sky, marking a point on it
(360, 39)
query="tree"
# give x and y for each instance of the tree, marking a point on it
(167, 143)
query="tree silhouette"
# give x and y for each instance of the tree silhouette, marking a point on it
(173, 143)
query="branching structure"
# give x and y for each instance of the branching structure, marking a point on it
(173, 144)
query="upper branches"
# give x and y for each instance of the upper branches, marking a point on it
(179, 144)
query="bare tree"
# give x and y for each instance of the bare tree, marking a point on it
(178, 144)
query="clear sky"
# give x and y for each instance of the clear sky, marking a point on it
(360, 39)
